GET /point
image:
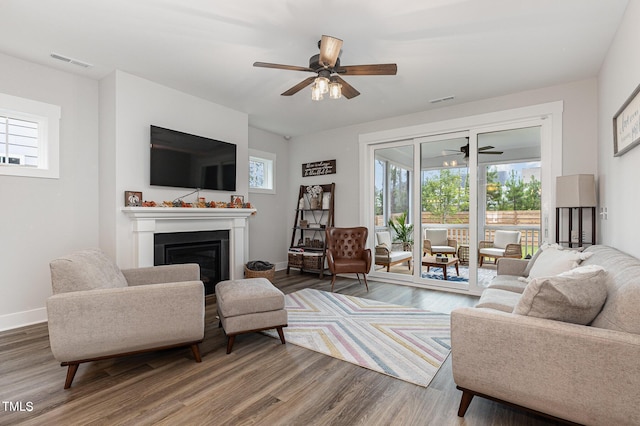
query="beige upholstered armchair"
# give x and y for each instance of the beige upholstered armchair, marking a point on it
(98, 311)
(386, 256)
(504, 244)
(436, 241)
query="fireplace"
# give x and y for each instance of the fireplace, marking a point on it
(209, 249)
(137, 245)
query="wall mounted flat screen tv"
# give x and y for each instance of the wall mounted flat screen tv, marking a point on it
(189, 161)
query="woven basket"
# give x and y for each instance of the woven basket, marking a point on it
(312, 262)
(268, 274)
(295, 260)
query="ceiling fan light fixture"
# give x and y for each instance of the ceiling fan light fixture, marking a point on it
(323, 84)
(335, 90)
(316, 94)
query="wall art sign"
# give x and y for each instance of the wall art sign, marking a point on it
(319, 168)
(626, 125)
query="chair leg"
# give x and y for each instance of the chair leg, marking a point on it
(71, 373)
(333, 281)
(230, 340)
(196, 352)
(365, 281)
(281, 334)
(464, 402)
(481, 258)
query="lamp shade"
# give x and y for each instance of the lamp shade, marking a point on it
(576, 191)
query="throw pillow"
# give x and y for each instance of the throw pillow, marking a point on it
(554, 260)
(576, 296)
(542, 247)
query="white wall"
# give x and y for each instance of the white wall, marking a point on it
(270, 228)
(619, 176)
(132, 105)
(579, 140)
(46, 218)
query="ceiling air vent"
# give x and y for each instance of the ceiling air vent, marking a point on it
(446, 98)
(70, 60)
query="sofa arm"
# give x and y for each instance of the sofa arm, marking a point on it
(103, 322)
(511, 266)
(162, 274)
(583, 374)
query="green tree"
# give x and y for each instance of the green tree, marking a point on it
(494, 190)
(514, 194)
(533, 189)
(398, 189)
(444, 195)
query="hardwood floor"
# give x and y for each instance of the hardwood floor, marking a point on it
(260, 382)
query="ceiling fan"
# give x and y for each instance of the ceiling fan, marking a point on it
(327, 66)
(465, 150)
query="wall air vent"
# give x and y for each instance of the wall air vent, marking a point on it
(446, 98)
(70, 60)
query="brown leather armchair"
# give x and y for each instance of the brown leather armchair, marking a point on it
(346, 252)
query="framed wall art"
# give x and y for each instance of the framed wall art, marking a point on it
(626, 125)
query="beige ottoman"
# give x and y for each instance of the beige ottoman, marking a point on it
(250, 305)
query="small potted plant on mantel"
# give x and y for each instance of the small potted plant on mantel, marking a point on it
(403, 231)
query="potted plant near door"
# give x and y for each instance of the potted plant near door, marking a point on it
(403, 231)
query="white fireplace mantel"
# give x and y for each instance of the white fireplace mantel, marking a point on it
(147, 221)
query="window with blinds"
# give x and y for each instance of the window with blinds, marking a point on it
(29, 138)
(18, 142)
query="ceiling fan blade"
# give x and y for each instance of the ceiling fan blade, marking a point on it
(374, 69)
(281, 67)
(491, 152)
(298, 87)
(348, 91)
(484, 148)
(329, 50)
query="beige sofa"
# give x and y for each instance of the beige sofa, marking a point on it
(588, 374)
(98, 311)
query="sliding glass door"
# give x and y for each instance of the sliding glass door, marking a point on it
(444, 210)
(392, 210)
(444, 207)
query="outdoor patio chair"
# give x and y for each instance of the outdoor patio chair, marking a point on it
(504, 244)
(436, 241)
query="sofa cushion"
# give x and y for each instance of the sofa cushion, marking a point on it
(533, 259)
(443, 249)
(383, 239)
(502, 238)
(437, 237)
(554, 260)
(85, 270)
(509, 283)
(575, 296)
(500, 300)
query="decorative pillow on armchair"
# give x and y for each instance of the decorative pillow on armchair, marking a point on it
(576, 296)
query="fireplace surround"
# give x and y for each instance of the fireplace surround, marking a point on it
(146, 222)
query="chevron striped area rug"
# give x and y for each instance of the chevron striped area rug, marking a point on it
(403, 342)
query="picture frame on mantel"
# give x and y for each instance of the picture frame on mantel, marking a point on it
(626, 125)
(132, 198)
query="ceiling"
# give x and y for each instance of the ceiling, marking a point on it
(469, 49)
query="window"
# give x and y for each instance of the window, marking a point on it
(262, 172)
(28, 137)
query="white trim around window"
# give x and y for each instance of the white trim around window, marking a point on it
(47, 118)
(267, 183)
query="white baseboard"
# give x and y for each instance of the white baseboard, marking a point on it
(21, 319)
(281, 266)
